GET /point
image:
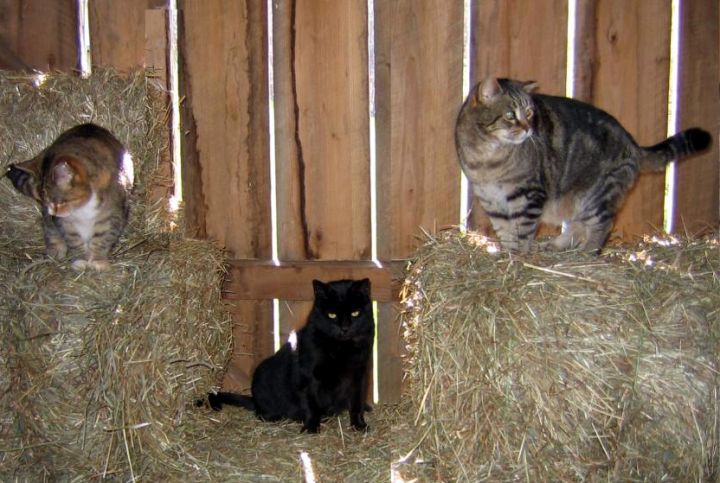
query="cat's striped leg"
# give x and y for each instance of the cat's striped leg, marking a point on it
(514, 212)
(55, 246)
(602, 203)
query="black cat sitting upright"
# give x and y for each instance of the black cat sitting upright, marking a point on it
(323, 369)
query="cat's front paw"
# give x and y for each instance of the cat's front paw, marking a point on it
(56, 251)
(358, 423)
(98, 265)
(310, 429)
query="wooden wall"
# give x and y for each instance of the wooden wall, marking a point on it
(322, 139)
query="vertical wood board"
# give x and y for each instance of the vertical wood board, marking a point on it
(418, 85)
(225, 78)
(117, 33)
(630, 81)
(223, 54)
(321, 114)
(157, 57)
(697, 198)
(42, 33)
(421, 45)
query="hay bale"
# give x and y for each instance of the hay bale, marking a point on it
(565, 367)
(99, 370)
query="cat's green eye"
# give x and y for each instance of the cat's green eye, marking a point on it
(356, 313)
(332, 315)
(510, 116)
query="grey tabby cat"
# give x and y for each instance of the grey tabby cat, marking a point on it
(532, 157)
(82, 182)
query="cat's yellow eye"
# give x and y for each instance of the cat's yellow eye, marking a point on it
(510, 116)
(332, 315)
(356, 313)
(529, 113)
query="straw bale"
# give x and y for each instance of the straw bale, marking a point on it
(99, 370)
(565, 367)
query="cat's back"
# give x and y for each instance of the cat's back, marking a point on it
(98, 148)
(564, 117)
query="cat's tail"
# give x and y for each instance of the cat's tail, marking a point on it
(680, 145)
(216, 400)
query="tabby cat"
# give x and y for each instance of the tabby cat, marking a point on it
(322, 370)
(532, 157)
(82, 181)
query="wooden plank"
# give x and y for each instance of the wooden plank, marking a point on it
(630, 81)
(322, 136)
(390, 351)
(42, 33)
(507, 39)
(225, 80)
(419, 47)
(416, 149)
(697, 201)
(9, 60)
(263, 280)
(226, 187)
(252, 342)
(157, 56)
(117, 33)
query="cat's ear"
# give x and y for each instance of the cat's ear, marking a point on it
(320, 289)
(31, 166)
(25, 176)
(62, 174)
(65, 170)
(362, 286)
(487, 90)
(530, 86)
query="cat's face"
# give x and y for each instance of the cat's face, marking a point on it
(503, 110)
(65, 187)
(343, 309)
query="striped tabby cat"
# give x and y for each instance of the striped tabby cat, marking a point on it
(532, 157)
(82, 181)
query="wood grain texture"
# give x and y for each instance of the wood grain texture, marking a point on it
(156, 60)
(263, 280)
(117, 33)
(419, 48)
(42, 33)
(223, 48)
(322, 136)
(697, 201)
(519, 40)
(252, 342)
(630, 81)
(223, 54)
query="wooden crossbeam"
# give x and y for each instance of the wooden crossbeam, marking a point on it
(263, 280)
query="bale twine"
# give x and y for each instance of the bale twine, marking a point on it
(100, 369)
(565, 367)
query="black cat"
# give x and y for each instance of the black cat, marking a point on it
(324, 370)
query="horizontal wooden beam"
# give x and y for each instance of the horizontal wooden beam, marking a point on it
(264, 280)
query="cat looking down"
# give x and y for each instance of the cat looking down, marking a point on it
(82, 182)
